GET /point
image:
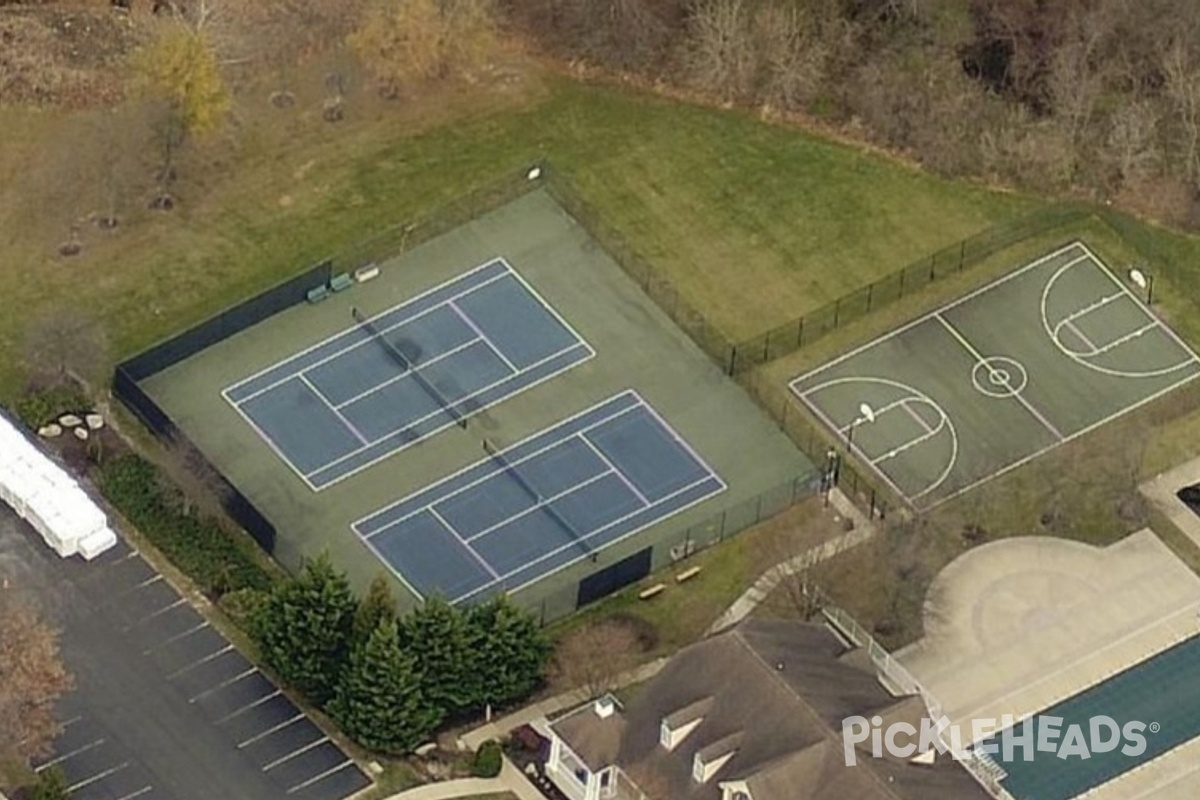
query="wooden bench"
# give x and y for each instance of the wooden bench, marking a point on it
(317, 294)
(341, 282)
(688, 574)
(652, 591)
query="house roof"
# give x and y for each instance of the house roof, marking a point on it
(777, 691)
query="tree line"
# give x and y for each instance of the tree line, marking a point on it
(391, 680)
(1096, 97)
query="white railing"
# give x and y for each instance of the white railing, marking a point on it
(981, 766)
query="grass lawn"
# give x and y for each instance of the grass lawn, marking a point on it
(755, 223)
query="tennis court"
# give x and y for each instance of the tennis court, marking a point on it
(998, 377)
(542, 504)
(407, 373)
(1160, 692)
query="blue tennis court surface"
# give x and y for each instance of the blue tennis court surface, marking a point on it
(581, 485)
(1162, 693)
(347, 402)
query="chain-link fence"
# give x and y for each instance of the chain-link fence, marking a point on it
(653, 282)
(810, 327)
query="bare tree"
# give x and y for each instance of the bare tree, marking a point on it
(792, 55)
(1181, 75)
(593, 658)
(32, 679)
(64, 341)
(720, 55)
(1131, 144)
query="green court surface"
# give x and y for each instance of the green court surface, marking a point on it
(326, 369)
(999, 376)
(1161, 693)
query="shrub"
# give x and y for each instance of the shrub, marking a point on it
(198, 547)
(489, 759)
(40, 406)
(51, 785)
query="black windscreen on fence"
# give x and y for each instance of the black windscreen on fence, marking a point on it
(608, 580)
(227, 323)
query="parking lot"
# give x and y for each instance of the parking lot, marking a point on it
(164, 706)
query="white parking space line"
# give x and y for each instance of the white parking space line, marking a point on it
(160, 612)
(98, 777)
(149, 581)
(295, 753)
(176, 637)
(320, 777)
(198, 662)
(249, 706)
(269, 731)
(72, 754)
(223, 684)
(138, 793)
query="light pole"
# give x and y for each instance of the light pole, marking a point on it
(1144, 280)
(865, 414)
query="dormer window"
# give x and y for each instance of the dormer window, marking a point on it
(703, 769)
(669, 736)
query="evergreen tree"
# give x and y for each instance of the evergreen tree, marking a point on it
(378, 605)
(378, 701)
(511, 654)
(436, 635)
(304, 628)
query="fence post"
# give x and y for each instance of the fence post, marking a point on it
(870, 291)
(800, 334)
(932, 261)
(902, 271)
(837, 310)
(732, 360)
(962, 254)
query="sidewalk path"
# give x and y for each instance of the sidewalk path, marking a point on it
(862, 531)
(510, 780)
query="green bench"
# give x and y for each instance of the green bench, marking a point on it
(341, 282)
(317, 294)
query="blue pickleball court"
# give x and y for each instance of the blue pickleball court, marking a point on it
(542, 504)
(348, 402)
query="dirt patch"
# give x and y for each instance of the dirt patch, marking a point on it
(64, 57)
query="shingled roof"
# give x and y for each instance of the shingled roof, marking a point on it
(774, 694)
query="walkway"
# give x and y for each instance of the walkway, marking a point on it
(509, 780)
(756, 594)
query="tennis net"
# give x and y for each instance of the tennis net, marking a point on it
(521, 481)
(401, 359)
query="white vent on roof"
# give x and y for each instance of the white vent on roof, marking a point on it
(604, 706)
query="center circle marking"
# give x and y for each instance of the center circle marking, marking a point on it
(999, 376)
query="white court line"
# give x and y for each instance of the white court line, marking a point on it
(408, 373)
(320, 777)
(464, 399)
(608, 525)
(70, 755)
(336, 412)
(1016, 396)
(613, 467)
(537, 506)
(98, 777)
(543, 576)
(176, 637)
(920, 420)
(138, 793)
(273, 729)
(271, 444)
(357, 344)
(294, 753)
(265, 698)
(1096, 306)
(205, 660)
(1083, 337)
(495, 471)
(223, 684)
(546, 305)
(926, 317)
(483, 336)
(454, 532)
(1120, 340)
